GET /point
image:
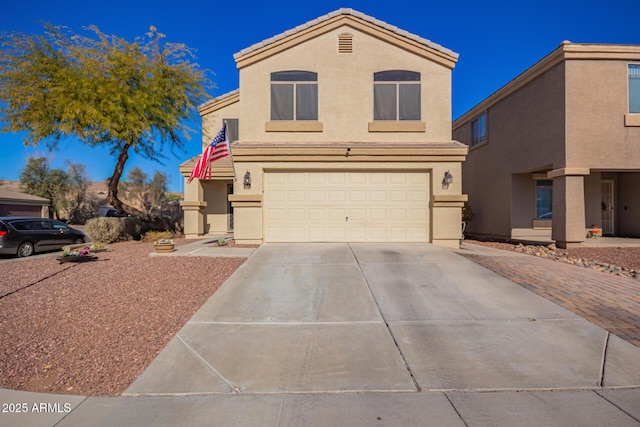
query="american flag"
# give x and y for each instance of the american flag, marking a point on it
(218, 149)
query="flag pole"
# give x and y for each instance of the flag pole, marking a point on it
(233, 163)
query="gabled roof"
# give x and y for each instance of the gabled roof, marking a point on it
(566, 51)
(358, 20)
(219, 102)
(9, 196)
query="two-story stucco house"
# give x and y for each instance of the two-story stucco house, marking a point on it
(556, 151)
(341, 132)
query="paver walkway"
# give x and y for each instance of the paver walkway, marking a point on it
(611, 302)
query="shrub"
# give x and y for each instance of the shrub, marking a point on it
(152, 236)
(106, 230)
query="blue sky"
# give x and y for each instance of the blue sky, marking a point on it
(496, 40)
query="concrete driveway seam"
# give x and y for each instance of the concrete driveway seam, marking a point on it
(233, 387)
(386, 323)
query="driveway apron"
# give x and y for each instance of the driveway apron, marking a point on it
(337, 317)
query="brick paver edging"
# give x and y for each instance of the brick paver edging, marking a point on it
(611, 302)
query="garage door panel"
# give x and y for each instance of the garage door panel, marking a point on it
(337, 196)
(317, 214)
(359, 206)
(398, 196)
(296, 214)
(294, 196)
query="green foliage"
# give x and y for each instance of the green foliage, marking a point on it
(151, 194)
(52, 184)
(102, 89)
(467, 212)
(80, 206)
(106, 230)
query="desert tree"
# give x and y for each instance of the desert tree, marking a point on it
(39, 179)
(133, 97)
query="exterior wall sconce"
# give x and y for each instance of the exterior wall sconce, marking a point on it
(247, 180)
(447, 180)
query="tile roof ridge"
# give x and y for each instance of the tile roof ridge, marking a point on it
(350, 12)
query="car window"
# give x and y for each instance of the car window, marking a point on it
(42, 225)
(20, 225)
(57, 225)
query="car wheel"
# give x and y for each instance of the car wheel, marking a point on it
(78, 241)
(25, 249)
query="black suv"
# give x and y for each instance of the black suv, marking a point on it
(25, 236)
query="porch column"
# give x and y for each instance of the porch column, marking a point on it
(193, 207)
(568, 227)
(446, 220)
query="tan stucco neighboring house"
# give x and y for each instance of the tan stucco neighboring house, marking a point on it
(556, 151)
(15, 203)
(341, 132)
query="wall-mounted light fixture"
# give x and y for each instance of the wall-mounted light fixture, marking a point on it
(247, 180)
(447, 180)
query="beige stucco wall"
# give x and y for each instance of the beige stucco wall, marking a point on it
(212, 121)
(597, 102)
(345, 90)
(345, 109)
(215, 213)
(525, 134)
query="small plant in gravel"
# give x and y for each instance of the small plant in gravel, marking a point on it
(163, 242)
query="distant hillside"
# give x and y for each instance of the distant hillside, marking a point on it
(96, 188)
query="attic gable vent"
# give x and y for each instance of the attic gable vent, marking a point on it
(345, 43)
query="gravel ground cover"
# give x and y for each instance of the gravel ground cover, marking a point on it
(623, 257)
(92, 328)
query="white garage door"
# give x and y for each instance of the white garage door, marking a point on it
(334, 206)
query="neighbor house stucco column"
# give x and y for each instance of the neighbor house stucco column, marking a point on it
(193, 207)
(568, 223)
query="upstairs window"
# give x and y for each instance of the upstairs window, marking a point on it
(479, 130)
(294, 95)
(634, 88)
(396, 95)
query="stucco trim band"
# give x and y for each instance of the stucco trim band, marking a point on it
(245, 200)
(449, 200)
(632, 119)
(568, 172)
(193, 205)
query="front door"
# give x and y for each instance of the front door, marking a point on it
(607, 206)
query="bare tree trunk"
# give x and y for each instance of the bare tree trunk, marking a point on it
(113, 199)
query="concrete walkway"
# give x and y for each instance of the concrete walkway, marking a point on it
(370, 334)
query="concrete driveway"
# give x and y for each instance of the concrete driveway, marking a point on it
(336, 318)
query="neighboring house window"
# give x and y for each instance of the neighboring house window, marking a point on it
(479, 130)
(634, 88)
(396, 95)
(294, 95)
(544, 196)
